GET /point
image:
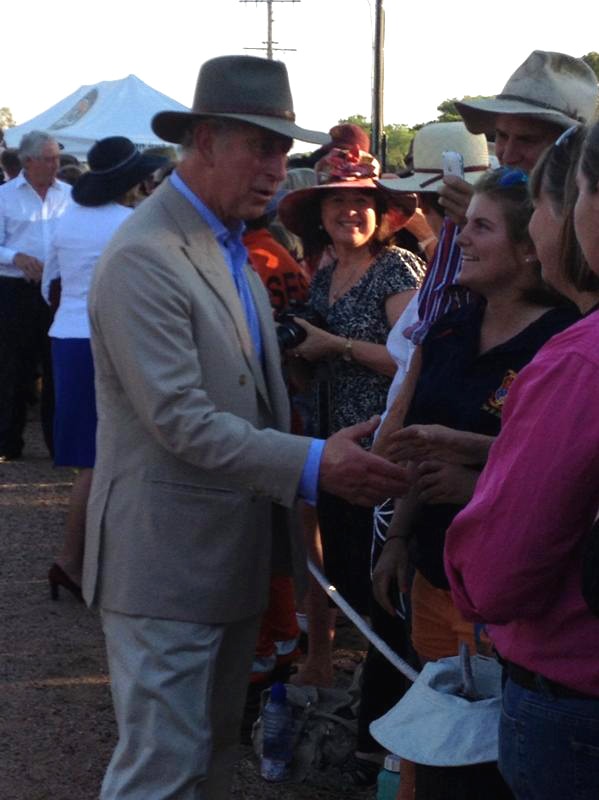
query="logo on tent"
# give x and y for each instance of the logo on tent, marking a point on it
(79, 110)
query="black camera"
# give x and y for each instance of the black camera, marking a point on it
(289, 333)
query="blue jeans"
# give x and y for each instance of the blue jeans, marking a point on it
(549, 746)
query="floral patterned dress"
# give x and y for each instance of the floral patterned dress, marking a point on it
(354, 392)
(349, 393)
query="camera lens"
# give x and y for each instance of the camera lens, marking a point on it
(290, 334)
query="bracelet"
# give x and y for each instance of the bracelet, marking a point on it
(347, 352)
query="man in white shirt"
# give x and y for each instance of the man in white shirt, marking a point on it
(30, 204)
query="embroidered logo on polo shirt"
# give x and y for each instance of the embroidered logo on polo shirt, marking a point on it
(494, 404)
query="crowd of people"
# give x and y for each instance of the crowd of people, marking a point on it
(392, 374)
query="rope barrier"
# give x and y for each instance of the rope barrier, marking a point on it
(362, 625)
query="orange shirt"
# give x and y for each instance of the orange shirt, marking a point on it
(281, 274)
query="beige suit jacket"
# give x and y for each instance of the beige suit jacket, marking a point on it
(192, 443)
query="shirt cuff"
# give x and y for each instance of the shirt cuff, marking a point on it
(308, 485)
(7, 255)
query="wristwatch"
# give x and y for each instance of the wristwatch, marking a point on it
(347, 352)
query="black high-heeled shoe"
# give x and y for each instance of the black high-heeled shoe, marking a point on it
(58, 577)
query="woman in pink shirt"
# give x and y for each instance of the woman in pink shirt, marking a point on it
(514, 555)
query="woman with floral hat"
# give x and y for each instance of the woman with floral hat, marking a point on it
(358, 296)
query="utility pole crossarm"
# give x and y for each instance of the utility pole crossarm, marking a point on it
(269, 42)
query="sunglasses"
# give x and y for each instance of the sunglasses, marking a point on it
(566, 137)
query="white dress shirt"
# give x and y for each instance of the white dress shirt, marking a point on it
(401, 350)
(27, 222)
(79, 239)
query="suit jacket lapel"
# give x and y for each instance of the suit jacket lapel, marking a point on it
(206, 257)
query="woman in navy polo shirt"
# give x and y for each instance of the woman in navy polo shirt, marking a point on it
(470, 359)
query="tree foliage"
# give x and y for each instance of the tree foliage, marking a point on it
(592, 59)
(449, 113)
(6, 118)
(398, 139)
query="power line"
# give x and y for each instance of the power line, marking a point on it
(269, 42)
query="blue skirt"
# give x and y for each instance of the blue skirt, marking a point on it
(75, 418)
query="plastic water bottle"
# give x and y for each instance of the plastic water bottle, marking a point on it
(387, 784)
(277, 735)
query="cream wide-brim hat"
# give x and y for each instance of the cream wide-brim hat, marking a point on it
(552, 87)
(429, 145)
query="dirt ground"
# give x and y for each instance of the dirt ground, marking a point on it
(57, 728)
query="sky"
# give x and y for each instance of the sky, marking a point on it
(433, 50)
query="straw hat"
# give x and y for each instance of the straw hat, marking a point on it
(552, 87)
(429, 144)
(246, 88)
(341, 168)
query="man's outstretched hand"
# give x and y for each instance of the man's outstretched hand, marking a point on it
(354, 474)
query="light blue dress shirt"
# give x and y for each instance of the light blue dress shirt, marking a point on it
(235, 255)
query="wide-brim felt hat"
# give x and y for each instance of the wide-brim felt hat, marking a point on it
(430, 143)
(115, 166)
(432, 724)
(245, 88)
(552, 87)
(341, 168)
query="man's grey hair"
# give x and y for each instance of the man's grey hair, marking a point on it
(33, 143)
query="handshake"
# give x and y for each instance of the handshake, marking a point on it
(354, 474)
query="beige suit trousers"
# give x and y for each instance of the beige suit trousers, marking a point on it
(178, 690)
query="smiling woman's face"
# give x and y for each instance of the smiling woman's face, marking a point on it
(349, 216)
(488, 254)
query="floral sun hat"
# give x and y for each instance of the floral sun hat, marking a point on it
(341, 168)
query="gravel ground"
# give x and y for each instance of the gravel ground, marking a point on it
(57, 728)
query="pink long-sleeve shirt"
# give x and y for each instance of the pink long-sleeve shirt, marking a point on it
(513, 555)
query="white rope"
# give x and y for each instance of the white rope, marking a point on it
(362, 626)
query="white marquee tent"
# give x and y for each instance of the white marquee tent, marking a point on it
(111, 108)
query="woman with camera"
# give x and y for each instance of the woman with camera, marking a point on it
(357, 299)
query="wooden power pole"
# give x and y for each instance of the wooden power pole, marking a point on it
(378, 134)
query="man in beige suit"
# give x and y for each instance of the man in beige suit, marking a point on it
(193, 448)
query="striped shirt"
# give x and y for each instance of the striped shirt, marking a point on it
(438, 293)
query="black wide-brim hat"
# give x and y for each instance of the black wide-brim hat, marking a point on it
(115, 166)
(246, 88)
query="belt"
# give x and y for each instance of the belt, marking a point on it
(537, 683)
